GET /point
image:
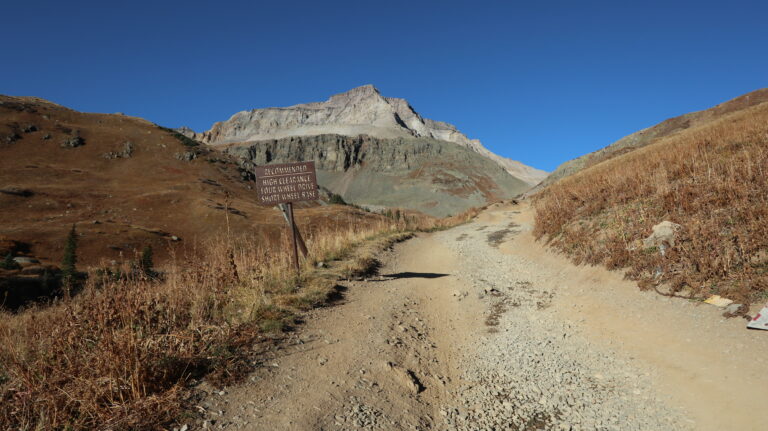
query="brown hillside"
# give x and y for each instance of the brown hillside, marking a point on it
(123, 196)
(711, 179)
(654, 134)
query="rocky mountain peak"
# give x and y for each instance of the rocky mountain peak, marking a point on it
(363, 92)
(359, 111)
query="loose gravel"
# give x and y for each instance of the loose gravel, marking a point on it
(531, 371)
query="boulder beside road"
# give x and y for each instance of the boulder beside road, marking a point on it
(663, 233)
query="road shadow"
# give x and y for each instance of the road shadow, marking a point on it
(413, 275)
(337, 295)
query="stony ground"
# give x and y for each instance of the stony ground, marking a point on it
(529, 371)
(480, 328)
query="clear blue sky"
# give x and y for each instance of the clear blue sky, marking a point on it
(541, 82)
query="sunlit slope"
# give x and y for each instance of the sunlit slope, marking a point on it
(712, 179)
(126, 183)
(655, 133)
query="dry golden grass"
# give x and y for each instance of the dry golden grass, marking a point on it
(120, 355)
(712, 180)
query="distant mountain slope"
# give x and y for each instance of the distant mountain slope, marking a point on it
(360, 111)
(650, 135)
(126, 183)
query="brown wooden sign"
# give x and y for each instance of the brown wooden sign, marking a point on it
(289, 182)
(282, 185)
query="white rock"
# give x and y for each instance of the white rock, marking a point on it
(664, 232)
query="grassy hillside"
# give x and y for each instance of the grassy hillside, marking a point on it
(655, 133)
(126, 183)
(712, 179)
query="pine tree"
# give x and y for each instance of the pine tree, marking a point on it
(9, 263)
(68, 268)
(146, 264)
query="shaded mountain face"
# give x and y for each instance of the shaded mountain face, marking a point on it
(653, 134)
(126, 183)
(363, 115)
(435, 177)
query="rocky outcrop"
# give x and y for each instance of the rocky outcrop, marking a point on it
(663, 234)
(339, 153)
(124, 153)
(360, 111)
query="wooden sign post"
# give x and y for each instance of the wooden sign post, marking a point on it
(283, 185)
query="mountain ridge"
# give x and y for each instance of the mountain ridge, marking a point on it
(359, 111)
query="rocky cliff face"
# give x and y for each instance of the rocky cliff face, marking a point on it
(432, 176)
(360, 111)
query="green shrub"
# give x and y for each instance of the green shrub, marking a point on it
(69, 261)
(146, 264)
(337, 199)
(9, 263)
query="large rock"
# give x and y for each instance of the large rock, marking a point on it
(664, 233)
(24, 260)
(360, 111)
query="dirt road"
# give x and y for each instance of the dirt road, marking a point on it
(481, 328)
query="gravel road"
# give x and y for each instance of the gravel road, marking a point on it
(481, 328)
(530, 371)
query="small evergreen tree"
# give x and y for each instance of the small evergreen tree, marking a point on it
(9, 263)
(68, 262)
(46, 280)
(145, 264)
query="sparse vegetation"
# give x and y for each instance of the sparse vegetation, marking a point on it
(712, 180)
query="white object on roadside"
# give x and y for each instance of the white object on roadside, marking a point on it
(718, 301)
(760, 321)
